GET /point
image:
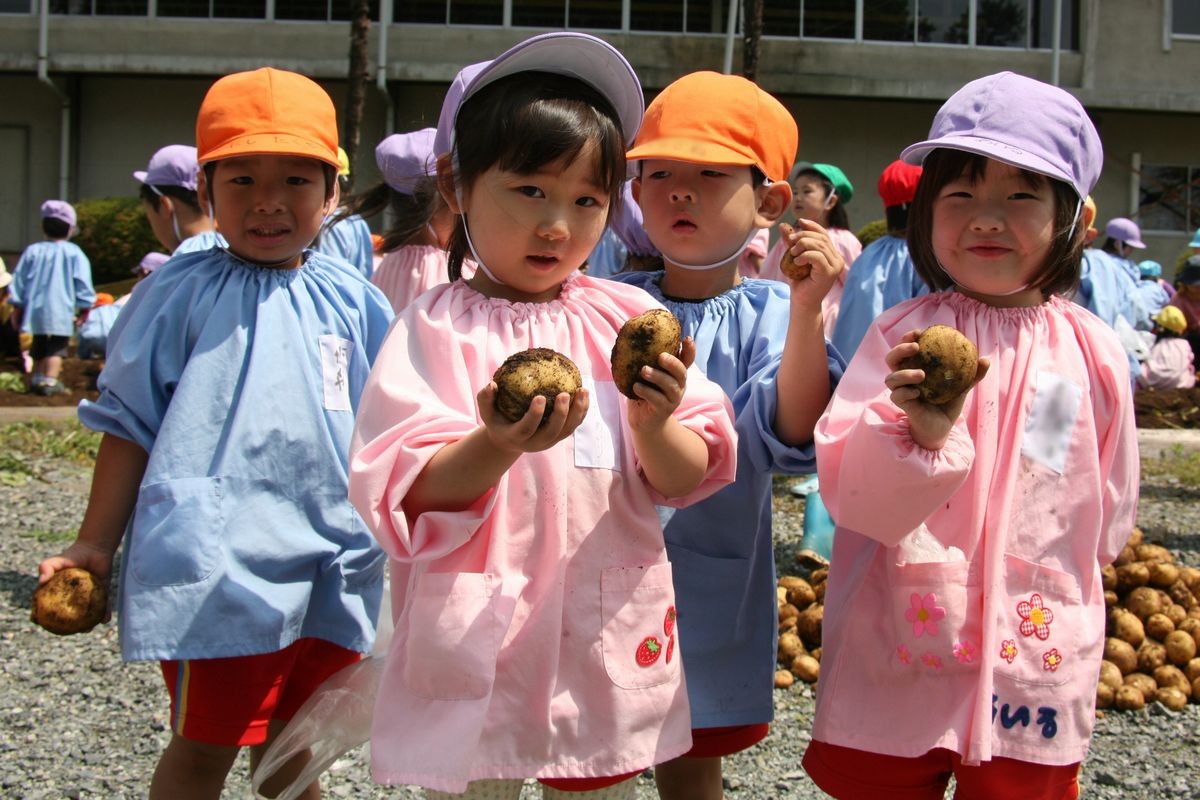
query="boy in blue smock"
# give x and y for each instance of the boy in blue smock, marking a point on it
(51, 285)
(712, 160)
(172, 205)
(227, 403)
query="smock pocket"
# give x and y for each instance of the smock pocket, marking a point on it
(178, 532)
(638, 628)
(937, 617)
(1039, 623)
(454, 634)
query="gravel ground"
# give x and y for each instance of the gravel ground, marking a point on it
(77, 723)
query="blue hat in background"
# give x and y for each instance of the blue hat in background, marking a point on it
(1195, 242)
(1150, 269)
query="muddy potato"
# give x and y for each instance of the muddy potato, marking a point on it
(641, 340)
(1177, 614)
(1129, 698)
(806, 668)
(538, 371)
(1163, 574)
(1169, 675)
(1192, 669)
(1136, 537)
(1108, 577)
(1142, 601)
(1110, 598)
(1159, 626)
(809, 624)
(1153, 552)
(1104, 695)
(790, 646)
(783, 679)
(1143, 682)
(1192, 626)
(1127, 627)
(1132, 576)
(1172, 698)
(788, 265)
(949, 361)
(1181, 647)
(72, 601)
(1121, 654)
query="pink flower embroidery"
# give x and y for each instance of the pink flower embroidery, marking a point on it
(931, 661)
(964, 652)
(1008, 650)
(904, 655)
(1035, 619)
(1051, 660)
(924, 614)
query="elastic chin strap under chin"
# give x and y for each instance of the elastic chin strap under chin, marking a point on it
(735, 254)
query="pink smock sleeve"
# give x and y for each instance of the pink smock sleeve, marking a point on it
(874, 478)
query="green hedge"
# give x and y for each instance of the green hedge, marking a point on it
(872, 231)
(114, 233)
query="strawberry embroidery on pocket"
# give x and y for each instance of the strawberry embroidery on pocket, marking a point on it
(648, 651)
(669, 623)
(1035, 618)
(670, 650)
(924, 614)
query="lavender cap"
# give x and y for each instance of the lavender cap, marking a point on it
(577, 55)
(1125, 230)
(151, 262)
(173, 165)
(405, 159)
(1022, 122)
(60, 210)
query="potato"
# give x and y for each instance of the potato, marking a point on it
(1158, 626)
(802, 596)
(1163, 574)
(1169, 675)
(1129, 698)
(1172, 698)
(1196, 690)
(1136, 537)
(783, 679)
(1192, 669)
(806, 668)
(788, 265)
(1144, 683)
(531, 373)
(818, 575)
(1110, 674)
(1177, 614)
(72, 601)
(787, 610)
(819, 591)
(1108, 577)
(1127, 627)
(815, 653)
(1190, 576)
(790, 646)
(1111, 599)
(1142, 601)
(809, 624)
(641, 340)
(780, 596)
(1153, 552)
(1150, 656)
(1192, 626)
(1104, 695)
(1181, 595)
(1180, 646)
(1132, 575)
(949, 361)
(1120, 653)
(1126, 556)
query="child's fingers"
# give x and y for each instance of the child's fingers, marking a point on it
(687, 352)
(981, 370)
(904, 377)
(906, 349)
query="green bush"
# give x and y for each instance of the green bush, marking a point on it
(871, 231)
(114, 233)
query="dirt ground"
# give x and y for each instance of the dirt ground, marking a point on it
(1175, 408)
(78, 375)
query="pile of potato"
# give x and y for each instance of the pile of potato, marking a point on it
(801, 611)
(1153, 630)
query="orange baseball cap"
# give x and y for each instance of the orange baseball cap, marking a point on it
(710, 118)
(266, 112)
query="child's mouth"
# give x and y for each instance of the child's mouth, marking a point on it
(269, 232)
(683, 226)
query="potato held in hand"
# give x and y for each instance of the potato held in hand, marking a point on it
(788, 265)
(949, 360)
(640, 342)
(530, 373)
(72, 601)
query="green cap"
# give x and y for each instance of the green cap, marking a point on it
(841, 184)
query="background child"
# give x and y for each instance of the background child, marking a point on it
(964, 612)
(535, 634)
(346, 235)
(168, 195)
(1187, 300)
(820, 193)
(227, 403)
(712, 158)
(1154, 291)
(51, 285)
(94, 329)
(1170, 364)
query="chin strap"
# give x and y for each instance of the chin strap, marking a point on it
(736, 253)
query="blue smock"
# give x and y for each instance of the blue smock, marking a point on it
(721, 549)
(52, 282)
(241, 383)
(1107, 290)
(349, 240)
(608, 257)
(1153, 296)
(92, 338)
(200, 242)
(883, 276)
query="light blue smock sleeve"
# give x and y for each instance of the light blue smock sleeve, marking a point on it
(882, 276)
(350, 240)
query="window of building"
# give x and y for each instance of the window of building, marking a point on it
(1185, 18)
(1169, 197)
(319, 10)
(431, 11)
(595, 14)
(16, 7)
(126, 8)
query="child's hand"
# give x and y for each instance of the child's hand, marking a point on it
(929, 424)
(529, 434)
(660, 390)
(811, 246)
(95, 560)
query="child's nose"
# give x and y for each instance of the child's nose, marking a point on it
(268, 200)
(682, 193)
(987, 218)
(553, 227)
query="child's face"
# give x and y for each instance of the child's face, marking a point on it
(533, 230)
(696, 213)
(269, 208)
(809, 199)
(994, 235)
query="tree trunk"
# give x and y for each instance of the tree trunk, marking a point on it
(356, 94)
(752, 13)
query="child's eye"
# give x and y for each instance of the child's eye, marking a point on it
(658, 174)
(587, 202)
(296, 180)
(530, 191)
(713, 173)
(241, 180)
(1023, 196)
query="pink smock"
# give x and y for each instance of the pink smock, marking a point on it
(535, 630)
(1170, 365)
(850, 248)
(996, 653)
(409, 271)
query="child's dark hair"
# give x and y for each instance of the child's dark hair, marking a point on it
(1058, 275)
(524, 121)
(55, 228)
(412, 212)
(897, 218)
(838, 218)
(188, 196)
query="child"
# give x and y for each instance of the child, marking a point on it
(168, 195)
(820, 192)
(535, 628)
(1171, 364)
(10, 341)
(1154, 291)
(1122, 238)
(883, 274)
(712, 161)
(1187, 300)
(94, 329)
(51, 286)
(414, 247)
(964, 613)
(346, 235)
(227, 403)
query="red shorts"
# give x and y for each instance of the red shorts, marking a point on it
(586, 784)
(850, 774)
(725, 741)
(230, 701)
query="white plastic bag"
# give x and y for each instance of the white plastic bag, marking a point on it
(921, 546)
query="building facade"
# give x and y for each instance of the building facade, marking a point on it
(90, 88)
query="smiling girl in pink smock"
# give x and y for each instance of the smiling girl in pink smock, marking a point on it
(535, 630)
(964, 615)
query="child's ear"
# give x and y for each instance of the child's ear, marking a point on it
(773, 201)
(635, 188)
(445, 183)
